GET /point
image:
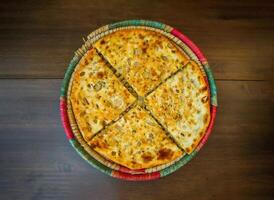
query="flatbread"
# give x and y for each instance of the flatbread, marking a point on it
(143, 57)
(136, 141)
(167, 113)
(97, 96)
(182, 106)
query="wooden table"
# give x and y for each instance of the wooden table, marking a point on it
(37, 40)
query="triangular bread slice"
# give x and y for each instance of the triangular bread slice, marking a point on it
(143, 57)
(182, 105)
(97, 96)
(136, 141)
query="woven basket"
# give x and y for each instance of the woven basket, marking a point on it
(71, 128)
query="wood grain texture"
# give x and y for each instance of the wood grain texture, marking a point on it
(37, 161)
(38, 38)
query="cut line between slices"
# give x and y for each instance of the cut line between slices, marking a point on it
(139, 99)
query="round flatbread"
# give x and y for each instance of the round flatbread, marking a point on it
(138, 100)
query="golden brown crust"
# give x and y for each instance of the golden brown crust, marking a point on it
(136, 141)
(143, 57)
(146, 60)
(97, 96)
(182, 105)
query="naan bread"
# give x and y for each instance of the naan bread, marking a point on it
(143, 57)
(97, 96)
(182, 106)
(136, 141)
(131, 129)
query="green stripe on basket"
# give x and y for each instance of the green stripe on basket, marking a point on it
(137, 23)
(68, 73)
(93, 162)
(178, 164)
(213, 89)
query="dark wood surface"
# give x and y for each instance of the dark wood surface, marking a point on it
(37, 40)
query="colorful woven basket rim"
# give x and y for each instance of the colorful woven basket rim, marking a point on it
(189, 48)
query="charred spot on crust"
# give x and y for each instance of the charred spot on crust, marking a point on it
(85, 61)
(159, 43)
(82, 73)
(85, 101)
(146, 157)
(177, 116)
(204, 99)
(141, 36)
(165, 154)
(164, 58)
(99, 144)
(99, 85)
(203, 89)
(89, 85)
(205, 118)
(103, 42)
(104, 123)
(100, 75)
(144, 50)
(153, 72)
(189, 104)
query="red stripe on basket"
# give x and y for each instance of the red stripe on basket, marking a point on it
(204, 62)
(189, 43)
(209, 129)
(136, 177)
(64, 117)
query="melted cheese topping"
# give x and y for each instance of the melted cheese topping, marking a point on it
(97, 96)
(143, 57)
(136, 141)
(182, 105)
